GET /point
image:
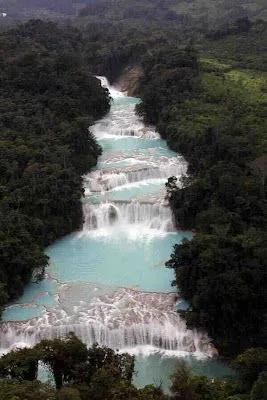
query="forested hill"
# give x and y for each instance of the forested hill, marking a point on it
(207, 97)
(119, 33)
(201, 13)
(214, 113)
(47, 101)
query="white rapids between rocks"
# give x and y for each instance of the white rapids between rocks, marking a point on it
(121, 318)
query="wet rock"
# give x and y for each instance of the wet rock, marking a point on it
(94, 222)
(129, 80)
(112, 214)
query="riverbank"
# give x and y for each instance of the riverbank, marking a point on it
(210, 123)
(121, 298)
(129, 80)
(48, 101)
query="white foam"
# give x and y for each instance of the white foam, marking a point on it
(125, 319)
(102, 180)
(121, 120)
(141, 322)
(149, 215)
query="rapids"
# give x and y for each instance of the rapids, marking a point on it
(107, 283)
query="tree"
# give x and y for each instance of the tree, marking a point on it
(26, 390)
(64, 358)
(67, 393)
(249, 365)
(21, 364)
(208, 389)
(259, 389)
(121, 365)
(181, 387)
(259, 166)
(186, 386)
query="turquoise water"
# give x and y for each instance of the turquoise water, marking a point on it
(101, 260)
(18, 313)
(149, 369)
(131, 143)
(108, 282)
(136, 190)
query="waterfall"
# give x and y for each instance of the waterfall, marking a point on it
(105, 311)
(99, 181)
(150, 215)
(121, 121)
(122, 128)
(124, 319)
(161, 337)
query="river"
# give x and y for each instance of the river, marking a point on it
(107, 282)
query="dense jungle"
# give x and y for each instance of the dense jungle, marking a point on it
(201, 70)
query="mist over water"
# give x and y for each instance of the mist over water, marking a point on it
(108, 283)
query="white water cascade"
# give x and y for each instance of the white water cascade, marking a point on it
(103, 215)
(103, 180)
(116, 123)
(125, 319)
(87, 270)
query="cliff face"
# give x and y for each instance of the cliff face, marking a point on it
(129, 80)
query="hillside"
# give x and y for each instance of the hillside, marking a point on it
(48, 101)
(203, 67)
(193, 13)
(212, 110)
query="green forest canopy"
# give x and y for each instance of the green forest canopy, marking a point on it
(214, 114)
(209, 102)
(48, 100)
(99, 373)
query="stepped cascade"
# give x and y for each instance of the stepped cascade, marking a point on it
(105, 180)
(124, 319)
(157, 215)
(108, 283)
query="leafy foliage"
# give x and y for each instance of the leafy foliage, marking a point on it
(259, 390)
(185, 386)
(249, 365)
(26, 390)
(217, 122)
(97, 373)
(48, 101)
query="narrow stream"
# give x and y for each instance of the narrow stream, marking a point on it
(108, 283)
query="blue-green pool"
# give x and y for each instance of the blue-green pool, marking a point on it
(108, 282)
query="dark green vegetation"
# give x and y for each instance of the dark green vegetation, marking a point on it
(48, 100)
(214, 114)
(208, 101)
(197, 13)
(241, 45)
(99, 373)
(121, 32)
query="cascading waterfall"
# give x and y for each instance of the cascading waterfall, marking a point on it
(99, 181)
(103, 215)
(124, 319)
(116, 316)
(118, 127)
(116, 123)
(170, 335)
